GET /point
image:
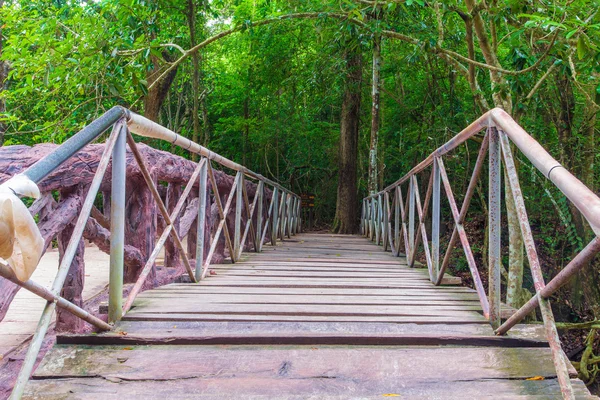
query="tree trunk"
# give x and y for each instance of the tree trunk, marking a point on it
(156, 94)
(172, 256)
(73, 286)
(373, 170)
(503, 99)
(3, 75)
(347, 195)
(191, 15)
(140, 225)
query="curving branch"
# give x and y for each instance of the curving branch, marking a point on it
(344, 17)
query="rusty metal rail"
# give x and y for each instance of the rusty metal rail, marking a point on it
(282, 220)
(404, 221)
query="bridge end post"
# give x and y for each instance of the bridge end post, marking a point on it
(117, 228)
(202, 197)
(494, 220)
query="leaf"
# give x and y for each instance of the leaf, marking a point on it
(571, 33)
(535, 378)
(581, 48)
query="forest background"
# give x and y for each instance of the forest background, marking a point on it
(337, 98)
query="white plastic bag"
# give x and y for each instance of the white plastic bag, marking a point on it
(21, 243)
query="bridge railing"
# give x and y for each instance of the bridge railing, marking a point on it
(283, 218)
(396, 218)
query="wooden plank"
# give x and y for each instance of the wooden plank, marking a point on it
(326, 333)
(307, 299)
(191, 288)
(295, 283)
(185, 329)
(300, 371)
(301, 258)
(414, 362)
(306, 388)
(415, 319)
(317, 268)
(195, 307)
(300, 273)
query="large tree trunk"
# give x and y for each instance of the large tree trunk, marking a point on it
(347, 195)
(73, 286)
(191, 15)
(156, 94)
(373, 170)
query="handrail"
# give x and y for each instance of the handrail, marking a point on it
(578, 193)
(144, 127)
(140, 126)
(282, 220)
(404, 221)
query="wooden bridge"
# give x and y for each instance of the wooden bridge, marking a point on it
(320, 316)
(313, 315)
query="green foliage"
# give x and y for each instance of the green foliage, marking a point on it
(271, 95)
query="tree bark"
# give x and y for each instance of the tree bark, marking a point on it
(172, 256)
(373, 167)
(191, 15)
(347, 195)
(73, 286)
(140, 225)
(3, 75)
(141, 213)
(503, 99)
(157, 93)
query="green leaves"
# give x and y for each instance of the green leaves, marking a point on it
(582, 47)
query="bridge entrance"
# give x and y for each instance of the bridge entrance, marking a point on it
(320, 316)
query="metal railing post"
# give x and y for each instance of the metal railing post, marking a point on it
(259, 216)
(378, 221)
(494, 255)
(386, 220)
(411, 219)
(370, 218)
(117, 229)
(397, 220)
(238, 215)
(435, 220)
(281, 216)
(362, 217)
(200, 231)
(295, 216)
(275, 218)
(288, 215)
(299, 226)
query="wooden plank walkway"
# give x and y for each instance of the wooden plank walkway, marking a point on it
(319, 316)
